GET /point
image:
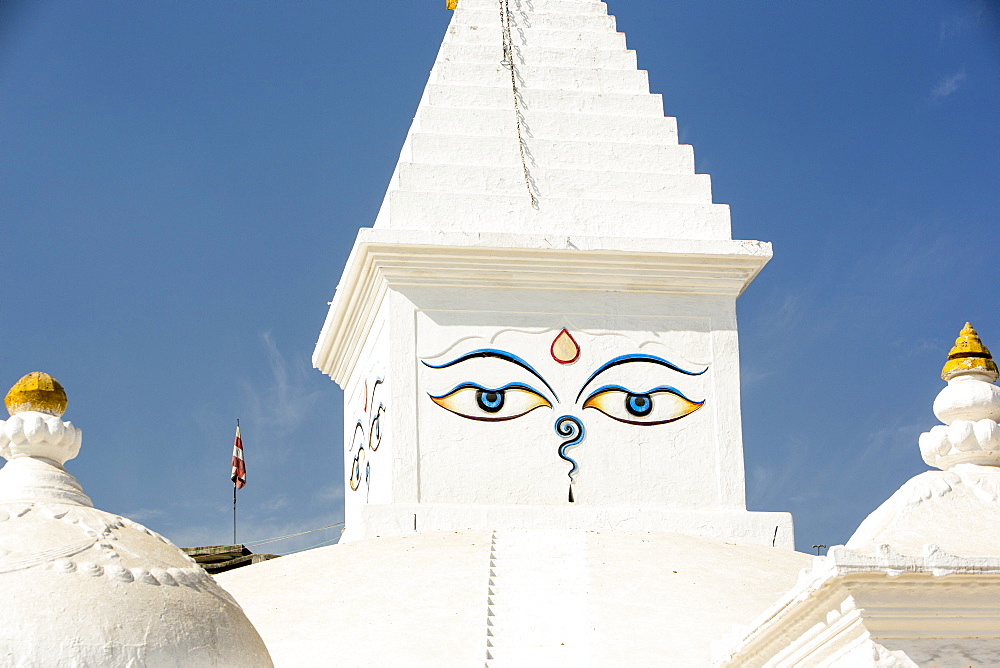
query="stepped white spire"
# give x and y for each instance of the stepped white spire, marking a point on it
(541, 197)
(599, 157)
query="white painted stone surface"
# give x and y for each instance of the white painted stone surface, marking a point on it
(82, 587)
(958, 510)
(510, 598)
(884, 610)
(421, 296)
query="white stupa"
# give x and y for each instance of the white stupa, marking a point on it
(86, 588)
(543, 459)
(538, 347)
(918, 584)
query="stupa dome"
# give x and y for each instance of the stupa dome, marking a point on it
(554, 597)
(84, 587)
(955, 507)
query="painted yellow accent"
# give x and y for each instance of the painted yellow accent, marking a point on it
(969, 355)
(37, 391)
(452, 4)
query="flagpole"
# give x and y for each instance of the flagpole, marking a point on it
(234, 491)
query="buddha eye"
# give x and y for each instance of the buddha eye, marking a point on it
(476, 402)
(657, 406)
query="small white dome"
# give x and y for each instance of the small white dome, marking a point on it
(957, 510)
(82, 587)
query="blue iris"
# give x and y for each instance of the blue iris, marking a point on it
(639, 405)
(490, 401)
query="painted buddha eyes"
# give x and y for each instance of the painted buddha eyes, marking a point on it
(657, 406)
(475, 402)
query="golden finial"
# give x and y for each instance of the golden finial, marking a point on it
(969, 355)
(38, 391)
(452, 4)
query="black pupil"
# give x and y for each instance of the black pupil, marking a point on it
(639, 405)
(490, 401)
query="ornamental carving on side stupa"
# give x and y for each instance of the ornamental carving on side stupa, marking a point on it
(83, 587)
(969, 407)
(956, 508)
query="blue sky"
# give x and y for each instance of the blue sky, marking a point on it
(181, 182)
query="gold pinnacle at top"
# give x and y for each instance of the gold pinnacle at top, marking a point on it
(969, 355)
(452, 4)
(37, 391)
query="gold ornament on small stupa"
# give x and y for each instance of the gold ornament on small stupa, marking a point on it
(969, 355)
(38, 391)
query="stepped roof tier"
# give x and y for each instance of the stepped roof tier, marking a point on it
(558, 133)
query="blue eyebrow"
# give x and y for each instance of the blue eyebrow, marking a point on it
(498, 354)
(637, 357)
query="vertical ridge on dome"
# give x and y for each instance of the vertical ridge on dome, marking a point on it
(593, 136)
(539, 610)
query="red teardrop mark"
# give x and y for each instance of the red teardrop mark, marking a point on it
(565, 349)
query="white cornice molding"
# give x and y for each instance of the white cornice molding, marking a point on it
(849, 596)
(382, 259)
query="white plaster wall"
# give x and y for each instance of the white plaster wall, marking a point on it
(368, 426)
(516, 461)
(695, 462)
(417, 304)
(440, 457)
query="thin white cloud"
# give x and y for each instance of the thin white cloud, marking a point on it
(948, 85)
(331, 493)
(144, 514)
(968, 20)
(278, 408)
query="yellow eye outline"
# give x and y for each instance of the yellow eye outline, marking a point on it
(609, 400)
(475, 402)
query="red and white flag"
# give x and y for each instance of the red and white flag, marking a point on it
(239, 468)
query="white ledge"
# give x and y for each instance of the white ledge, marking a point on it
(384, 258)
(847, 588)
